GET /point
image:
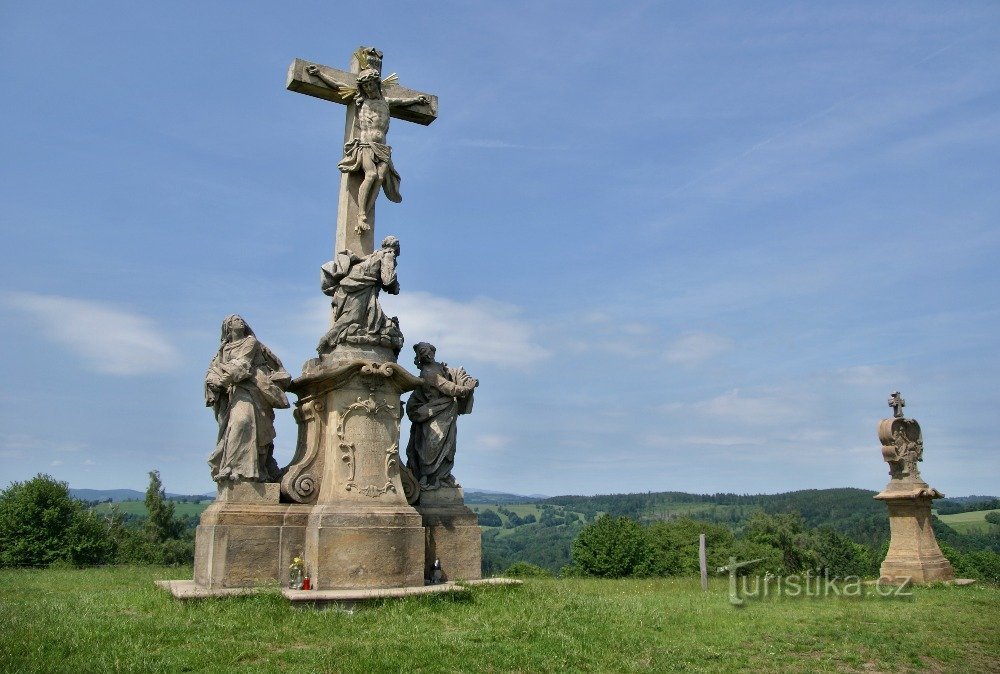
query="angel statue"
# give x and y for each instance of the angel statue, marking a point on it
(433, 409)
(367, 152)
(244, 383)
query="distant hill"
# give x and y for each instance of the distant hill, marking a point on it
(119, 495)
(483, 496)
(472, 495)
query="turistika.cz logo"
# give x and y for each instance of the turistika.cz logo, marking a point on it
(808, 584)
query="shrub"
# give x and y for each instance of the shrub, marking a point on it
(41, 524)
(674, 546)
(526, 570)
(840, 556)
(489, 518)
(612, 547)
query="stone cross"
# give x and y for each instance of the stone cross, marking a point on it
(355, 223)
(897, 404)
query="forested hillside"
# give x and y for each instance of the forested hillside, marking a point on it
(542, 532)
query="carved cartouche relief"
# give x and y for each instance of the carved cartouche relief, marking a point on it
(902, 448)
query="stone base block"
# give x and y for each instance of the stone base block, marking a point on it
(453, 537)
(913, 549)
(349, 546)
(249, 492)
(240, 544)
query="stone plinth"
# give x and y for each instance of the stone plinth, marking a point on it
(361, 532)
(247, 544)
(364, 547)
(913, 548)
(452, 534)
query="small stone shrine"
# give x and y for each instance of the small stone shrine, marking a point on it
(913, 550)
(347, 504)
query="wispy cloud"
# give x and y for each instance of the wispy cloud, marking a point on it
(758, 410)
(32, 443)
(695, 347)
(491, 441)
(108, 339)
(480, 330)
(868, 376)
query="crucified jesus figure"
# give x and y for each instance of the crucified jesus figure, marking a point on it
(368, 153)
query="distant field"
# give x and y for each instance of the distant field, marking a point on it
(139, 508)
(968, 523)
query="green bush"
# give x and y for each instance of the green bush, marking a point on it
(40, 524)
(840, 556)
(612, 547)
(489, 518)
(674, 546)
(526, 570)
(785, 532)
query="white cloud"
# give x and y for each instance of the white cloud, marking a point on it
(491, 441)
(57, 462)
(761, 410)
(482, 330)
(695, 347)
(24, 441)
(672, 442)
(867, 375)
(108, 339)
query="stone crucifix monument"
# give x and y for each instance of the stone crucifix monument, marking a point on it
(913, 550)
(348, 505)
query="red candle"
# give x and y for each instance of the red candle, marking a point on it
(305, 583)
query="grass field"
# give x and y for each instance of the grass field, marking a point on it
(116, 620)
(968, 523)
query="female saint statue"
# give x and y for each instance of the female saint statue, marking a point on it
(243, 385)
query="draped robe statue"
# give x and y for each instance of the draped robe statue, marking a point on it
(433, 409)
(354, 283)
(244, 383)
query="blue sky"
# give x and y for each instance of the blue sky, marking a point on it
(684, 246)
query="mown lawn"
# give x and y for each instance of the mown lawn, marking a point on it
(116, 620)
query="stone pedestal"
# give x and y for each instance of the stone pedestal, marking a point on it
(247, 543)
(356, 547)
(361, 532)
(913, 548)
(452, 534)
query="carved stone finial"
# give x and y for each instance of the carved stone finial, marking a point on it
(897, 404)
(903, 448)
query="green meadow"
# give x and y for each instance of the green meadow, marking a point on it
(138, 508)
(114, 619)
(968, 523)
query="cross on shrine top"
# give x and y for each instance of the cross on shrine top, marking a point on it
(897, 404)
(367, 163)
